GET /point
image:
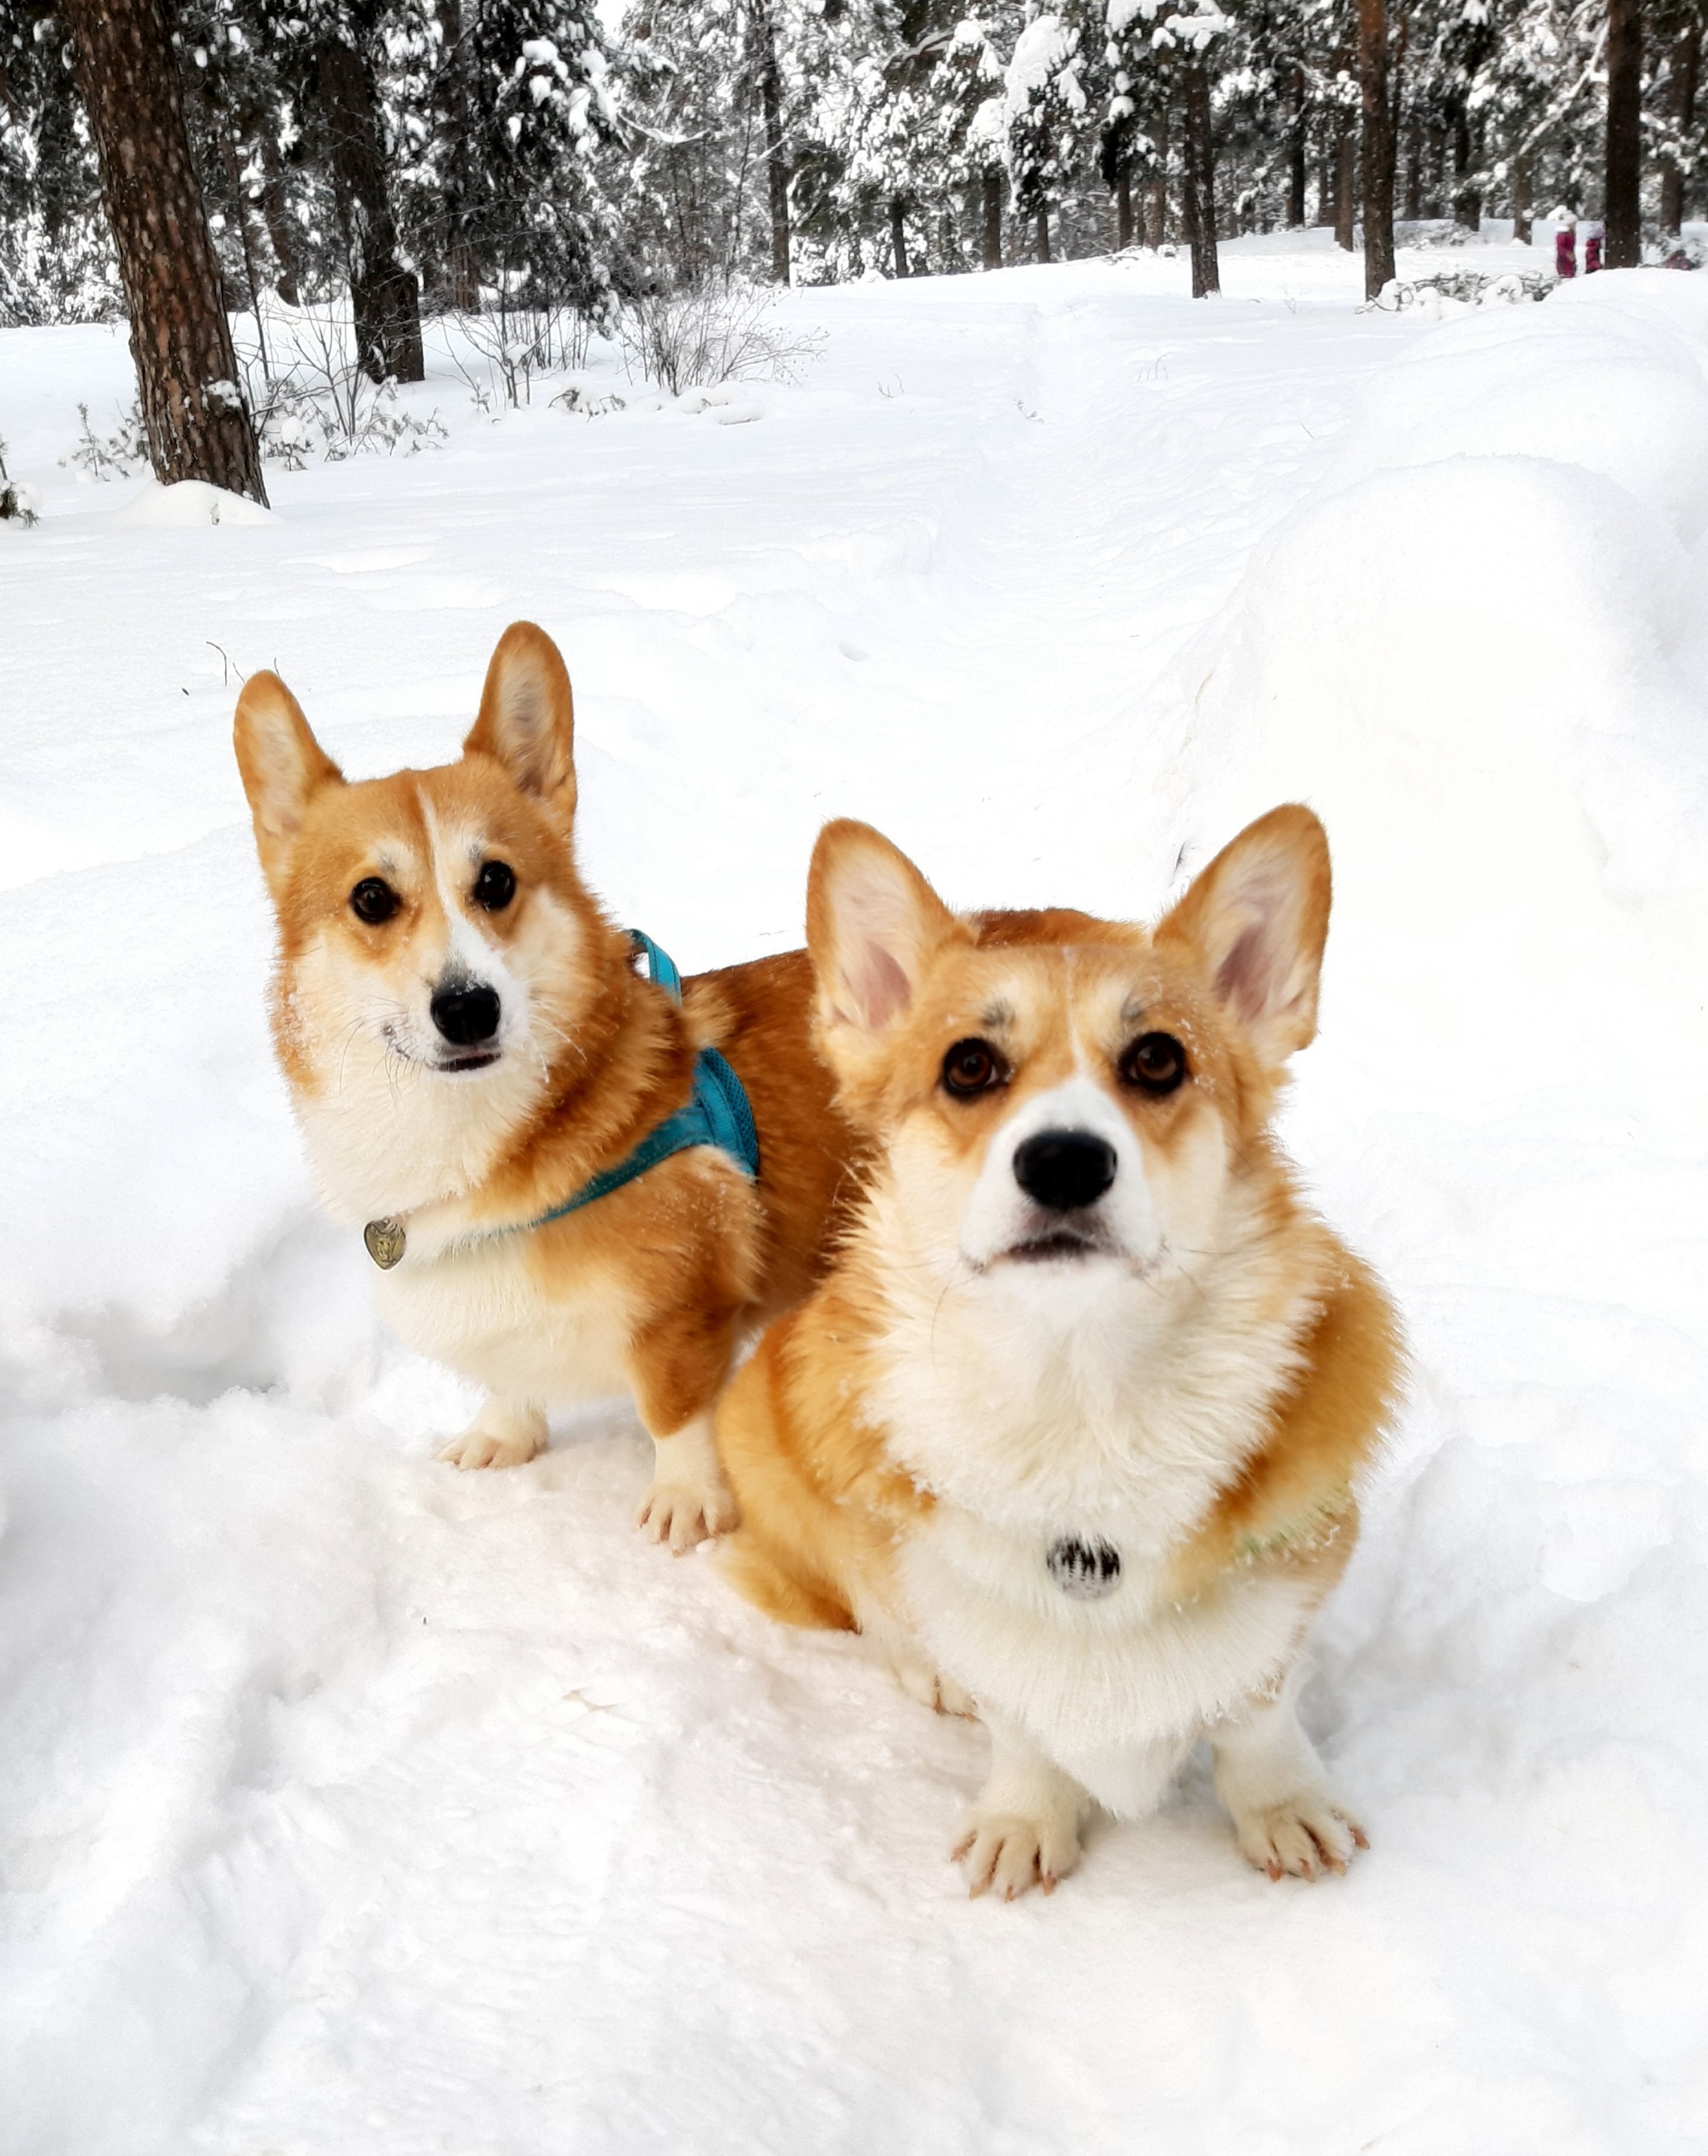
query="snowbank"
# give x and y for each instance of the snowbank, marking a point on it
(347, 1804)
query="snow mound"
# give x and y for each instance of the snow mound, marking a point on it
(188, 502)
(1477, 649)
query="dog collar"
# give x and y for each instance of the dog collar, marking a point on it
(718, 1113)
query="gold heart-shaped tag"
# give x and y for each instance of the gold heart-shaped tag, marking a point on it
(385, 1242)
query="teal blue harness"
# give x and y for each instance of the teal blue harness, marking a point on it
(717, 1114)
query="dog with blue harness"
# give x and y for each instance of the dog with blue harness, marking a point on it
(578, 1174)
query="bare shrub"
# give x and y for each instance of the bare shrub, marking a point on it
(501, 353)
(110, 456)
(718, 332)
(310, 397)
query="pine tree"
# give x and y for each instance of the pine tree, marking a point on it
(187, 372)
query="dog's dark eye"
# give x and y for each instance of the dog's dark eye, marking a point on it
(496, 886)
(971, 1066)
(373, 900)
(1156, 1064)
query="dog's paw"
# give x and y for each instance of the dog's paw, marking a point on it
(1306, 1834)
(932, 1689)
(684, 1513)
(1001, 1851)
(508, 1440)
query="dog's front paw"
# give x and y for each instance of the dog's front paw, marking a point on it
(499, 1438)
(684, 1513)
(1004, 1850)
(1306, 1834)
(920, 1680)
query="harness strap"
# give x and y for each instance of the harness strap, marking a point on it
(718, 1113)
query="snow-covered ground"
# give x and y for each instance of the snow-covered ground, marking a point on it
(348, 1804)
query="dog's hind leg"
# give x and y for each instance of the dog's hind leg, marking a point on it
(504, 1434)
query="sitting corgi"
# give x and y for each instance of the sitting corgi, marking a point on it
(1073, 1427)
(553, 1158)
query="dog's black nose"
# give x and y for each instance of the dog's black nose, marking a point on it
(1062, 1169)
(466, 1016)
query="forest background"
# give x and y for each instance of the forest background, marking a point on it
(560, 160)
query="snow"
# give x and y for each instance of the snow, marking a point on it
(349, 1803)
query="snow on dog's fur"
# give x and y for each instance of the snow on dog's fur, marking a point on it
(467, 1042)
(1073, 1424)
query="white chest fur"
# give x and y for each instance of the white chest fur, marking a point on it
(480, 1306)
(1088, 1403)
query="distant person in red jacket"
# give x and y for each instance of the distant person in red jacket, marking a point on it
(1565, 248)
(1592, 249)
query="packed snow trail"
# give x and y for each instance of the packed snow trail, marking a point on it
(351, 1804)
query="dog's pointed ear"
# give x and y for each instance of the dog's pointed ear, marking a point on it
(282, 766)
(1257, 918)
(527, 717)
(873, 926)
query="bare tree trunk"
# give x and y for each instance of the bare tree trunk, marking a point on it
(1467, 199)
(898, 236)
(234, 180)
(187, 371)
(1199, 190)
(1686, 71)
(991, 187)
(384, 297)
(1124, 209)
(462, 268)
(1414, 169)
(1158, 219)
(1044, 235)
(1377, 152)
(776, 155)
(275, 209)
(1296, 147)
(1523, 196)
(1623, 246)
(1346, 184)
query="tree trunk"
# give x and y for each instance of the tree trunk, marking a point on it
(1297, 144)
(275, 209)
(992, 189)
(1686, 69)
(1523, 196)
(1124, 210)
(1044, 235)
(898, 237)
(462, 266)
(187, 372)
(384, 297)
(776, 155)
(1346, 184)
(1376, 149)
(1158, 219)
(1199, 189)
(1623, 246)
(1414, 168)
(1467, 199)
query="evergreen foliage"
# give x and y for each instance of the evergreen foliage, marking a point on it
(525, 154)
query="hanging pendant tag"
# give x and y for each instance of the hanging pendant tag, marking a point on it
(1085, 1571)
(385, 1241)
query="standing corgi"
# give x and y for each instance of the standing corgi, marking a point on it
(480, 1076)
(1073, 1427)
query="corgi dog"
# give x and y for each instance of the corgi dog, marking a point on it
(1073, 1425)
(470, 1048)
